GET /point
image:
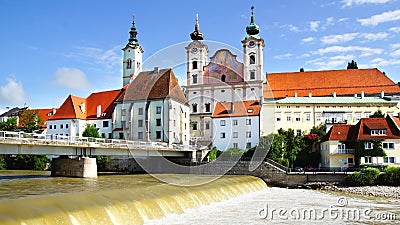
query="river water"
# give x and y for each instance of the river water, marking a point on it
(28, 197)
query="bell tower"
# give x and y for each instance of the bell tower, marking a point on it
(132, 61)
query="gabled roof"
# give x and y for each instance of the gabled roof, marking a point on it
(70, 109)
(362, 130)
(155, 84)
(45, 115)
(324, 83)
(245, 108)
(14, 112)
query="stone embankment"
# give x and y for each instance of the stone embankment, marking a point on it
(375, 191)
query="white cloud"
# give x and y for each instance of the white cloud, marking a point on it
(327, 63)
(71, 78)
(12, 93)
(314, 25)
(374, 37)
(309, 39)
(348, 3)
(340, 38)
(283, 56)
(381, 18)
(379, 62)
(330, 21)
(294, 28)
(343, 19)
(396, 53)
(364, 51)
(395, 46)
(109, 59)
(395, 29)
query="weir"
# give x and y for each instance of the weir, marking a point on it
(126, 205)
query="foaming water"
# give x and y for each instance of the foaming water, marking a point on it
(130, 203)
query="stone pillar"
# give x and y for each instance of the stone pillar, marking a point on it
(83, 167)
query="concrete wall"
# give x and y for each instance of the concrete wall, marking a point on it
(82, 167)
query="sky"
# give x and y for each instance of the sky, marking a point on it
(50, 49)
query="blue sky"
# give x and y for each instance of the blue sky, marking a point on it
(50, 49)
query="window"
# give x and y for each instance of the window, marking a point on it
(288, 117)
(51, 127)
(140, 135)
(234, 122)
(207, 125)
(368, 145)
(194, 126)
(194, 65)
(208, 107)
(158, 134)
(61, 126)
(367, 114)
(222, 135)
(222, 123)
(248, 121)
(174, 123)
(252, 59)
(341, 146)
(105, 123)
(158, 122)
(308, 116)
(194, 79)
(223, 78)
(389, 160)
(349, 117)
(235, 134)
(129, 64)
(252, 75)
(158, 110)
(140, 111)
(140, 123)
(248, 134)
(298, 132)
(123, 112)
(368, 159)
(378, 132)
(194, 108)
(297, 117)
(121, 135)
(235, 145)
(278, 117)
(66, 126)
(55, 126)
(382, 132)
(358, 116)
(388, 145)
(248, 145)
(318, 117)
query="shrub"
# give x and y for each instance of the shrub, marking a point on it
(392, 176)
(363, 178)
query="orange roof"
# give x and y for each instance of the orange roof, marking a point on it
(155, 85)
(339, 132)
(245, 108)
(45, 114)
(324, 83)
(86, 108)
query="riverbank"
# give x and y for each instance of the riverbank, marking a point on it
(375, 191)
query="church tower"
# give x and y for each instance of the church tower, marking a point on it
(253, 46)
(132, 61)
(197, 54)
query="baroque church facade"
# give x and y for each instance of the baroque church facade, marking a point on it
(221, 79)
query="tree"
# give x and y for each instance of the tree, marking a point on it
(9, 125)
(301, 69)
(377, 114)
(30, 120)
(352, 65)
(91, 131)
(212, 155)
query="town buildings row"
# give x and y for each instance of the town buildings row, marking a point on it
(230, 104)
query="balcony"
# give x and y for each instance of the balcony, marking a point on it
(335, 121)
(342, 151)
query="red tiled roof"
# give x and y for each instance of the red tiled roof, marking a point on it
(323, 83)
(45, 114)
(339, 132)
(245, 108)
(155, 85)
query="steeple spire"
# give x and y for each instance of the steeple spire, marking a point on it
(196, 34)
(132, 33)
(252, 28)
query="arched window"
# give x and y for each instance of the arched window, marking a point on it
(208, 107)
(129, 64)
(223, 78)
(195, 79)
(194, 65)
(252, 59)
(194, 107)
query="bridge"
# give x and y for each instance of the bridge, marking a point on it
(14, 143)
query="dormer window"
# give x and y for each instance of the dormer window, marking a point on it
(82, 107)
(378, 132)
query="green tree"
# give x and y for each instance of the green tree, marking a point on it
(377, 114)
(91, 131)
(212, 155)
(9, 125)
(352, 65)
(30, 120)
(29, 162)
(3, 165)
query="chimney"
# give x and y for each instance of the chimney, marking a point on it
(295, 94)
(232, 108)
(382, 94)
(54, 111)
(355, 96)
(156, 70)
(334, 94)
(310, 94)
(362, 94)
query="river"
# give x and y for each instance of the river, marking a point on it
(29, 197)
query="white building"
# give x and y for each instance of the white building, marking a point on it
(236, 124)
(222, 79)
(153, 108)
